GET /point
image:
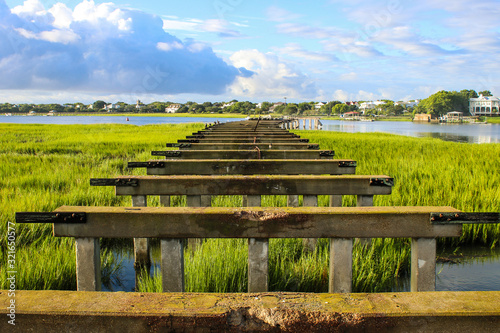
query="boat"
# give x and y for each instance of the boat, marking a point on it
(127, 119)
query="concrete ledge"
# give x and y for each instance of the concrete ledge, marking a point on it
(71, 311)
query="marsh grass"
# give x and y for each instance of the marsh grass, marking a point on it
(45, 166)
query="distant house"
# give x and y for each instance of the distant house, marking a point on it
(370, 105)
(275, 105)
(111, 107)
(351, 103)
(172, 108)
(484, 106)
(139, 105)
(408, 104)
(318, 106)
(423, 117)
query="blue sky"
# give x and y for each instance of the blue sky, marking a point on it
(218, 50)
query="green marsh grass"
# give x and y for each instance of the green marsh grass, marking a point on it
(45, 166)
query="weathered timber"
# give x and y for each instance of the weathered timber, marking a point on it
(244, 140)
(219, 222)
(241, 136)
(256, 185)
(243, 146)
(464, 218)
(245, 154)
(50, 217)
(248, 167)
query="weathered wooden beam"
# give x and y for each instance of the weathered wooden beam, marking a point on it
(256, 185)
(247, 167)
(241, 136)
(244, 154)
(243, 146)
(51, 217)
(244, 140)
(220, 222)
(464, 218)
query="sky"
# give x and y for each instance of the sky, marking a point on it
(220, 50)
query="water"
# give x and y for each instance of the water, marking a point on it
(88, 120)
(469, 133)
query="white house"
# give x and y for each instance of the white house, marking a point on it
(370, 105)
(111, 107)
(318, 106)
(172, 108)
(484, 106)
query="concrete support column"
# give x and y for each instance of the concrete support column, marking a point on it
(310, 201)
(292, 201)
(88, 264)
(335, 201)
(142, 260)
(423, 264)
(364, 201)
(197, 201)
(340, 279)
(172, 265)
(258, 256)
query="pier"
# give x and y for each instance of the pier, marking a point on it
(254, 158)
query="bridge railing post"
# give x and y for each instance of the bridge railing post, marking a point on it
(88, 264)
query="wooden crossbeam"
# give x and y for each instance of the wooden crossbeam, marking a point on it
(221, 222)
(244, 146)
(248, 167)
(251, 185)
(245, 154)
(255, 139)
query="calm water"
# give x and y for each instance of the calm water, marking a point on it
(469, 133)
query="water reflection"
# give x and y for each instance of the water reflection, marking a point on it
(466, 133)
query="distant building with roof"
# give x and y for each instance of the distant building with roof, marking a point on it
(484, 106)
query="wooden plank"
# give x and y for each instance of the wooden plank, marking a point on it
(244, 140)
(464, 218)
(244, 146)
(269, 222)
(247, 167)
(216, 136)
(245, 154)
(255, 185)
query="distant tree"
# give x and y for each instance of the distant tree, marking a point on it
(291, 108)
(183, 109)
(485, 93)
(340, 108)
(98, 105)
(442, 102)
(304, 106)
(327, 108)
(469, 93)
(265, 106)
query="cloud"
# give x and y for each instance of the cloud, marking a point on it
(271, 77)
(106, 49)
(278, 14)
(297, 51)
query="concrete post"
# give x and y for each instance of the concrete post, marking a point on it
(310, 201)
(141, 245)
(364, 201)
(423, 264)
(258, 256)
(340, 280)
(88, 264)
(335, 201)
(197, 201)
(172, 265)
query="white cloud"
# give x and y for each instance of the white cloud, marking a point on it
(271, 77)
(297, 51)
(348, 76)
(279, 14)
(105, 49)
